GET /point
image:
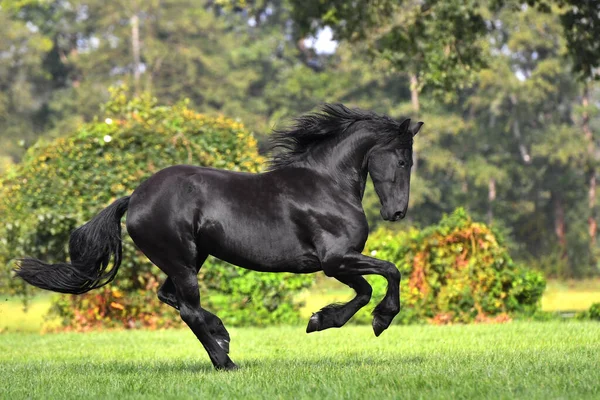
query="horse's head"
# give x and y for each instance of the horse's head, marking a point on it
(389, 165)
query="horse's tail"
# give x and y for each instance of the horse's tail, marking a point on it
(91, 247)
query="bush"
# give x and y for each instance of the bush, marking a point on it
(593, 313)
(61, 184)
(456, 271)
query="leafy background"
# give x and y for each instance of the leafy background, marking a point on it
(508, 91)
(457, 271)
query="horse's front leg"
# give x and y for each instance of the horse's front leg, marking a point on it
(336, 315)
(353, 264)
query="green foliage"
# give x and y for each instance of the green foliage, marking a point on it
(581, 24)
(593, 313)
(21, 76)
(455, 271)
(248, 298)
(439, 42)
(63, 183)
(510, 147)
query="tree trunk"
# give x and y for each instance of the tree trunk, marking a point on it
(414, 93)
(591, 173)
(517, 132)
(491, 199)
(559, 225)
(135, 47)
(592, 225)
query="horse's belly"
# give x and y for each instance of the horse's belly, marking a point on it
(303, 264)
(269, 251)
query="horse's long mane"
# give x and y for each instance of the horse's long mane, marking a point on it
(330, 121)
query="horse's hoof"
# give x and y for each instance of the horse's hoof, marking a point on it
(313, 323)
(229, 366)
(381, 323)
(224, 344)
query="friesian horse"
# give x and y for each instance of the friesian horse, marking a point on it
(303, 215)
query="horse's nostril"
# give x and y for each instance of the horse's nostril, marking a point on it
(398, 215)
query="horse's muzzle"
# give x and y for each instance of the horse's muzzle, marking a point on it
(396, 216)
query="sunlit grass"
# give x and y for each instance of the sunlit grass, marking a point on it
(517, 360)
(15, 318)
(571, 295)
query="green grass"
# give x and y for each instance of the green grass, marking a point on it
(517, 360)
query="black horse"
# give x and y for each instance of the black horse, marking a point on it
(303, 215)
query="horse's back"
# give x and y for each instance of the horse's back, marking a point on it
(242, 218)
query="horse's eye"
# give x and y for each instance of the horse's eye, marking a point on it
(402, 164)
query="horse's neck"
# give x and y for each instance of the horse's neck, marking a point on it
(347, 161)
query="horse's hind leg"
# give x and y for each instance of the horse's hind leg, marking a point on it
(336, 315)
(179, 259)
(217, 329)
(168, 295)
(188, 298)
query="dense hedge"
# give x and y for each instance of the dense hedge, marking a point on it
(455, 271)
(63, 183)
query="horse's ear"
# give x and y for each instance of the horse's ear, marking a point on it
(404, 126)
(417, 128)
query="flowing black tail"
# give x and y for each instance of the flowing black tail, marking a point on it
(91, 247)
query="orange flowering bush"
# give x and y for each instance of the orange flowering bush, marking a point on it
(456, 271)
(61, 184)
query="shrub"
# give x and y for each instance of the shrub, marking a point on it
(61, 184)
(593, 313)
(456, 271)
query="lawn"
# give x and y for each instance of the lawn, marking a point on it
(516, 360)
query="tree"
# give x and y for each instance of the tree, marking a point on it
(22, 106)
(438, 43)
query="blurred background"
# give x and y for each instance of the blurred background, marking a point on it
(507, 91)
